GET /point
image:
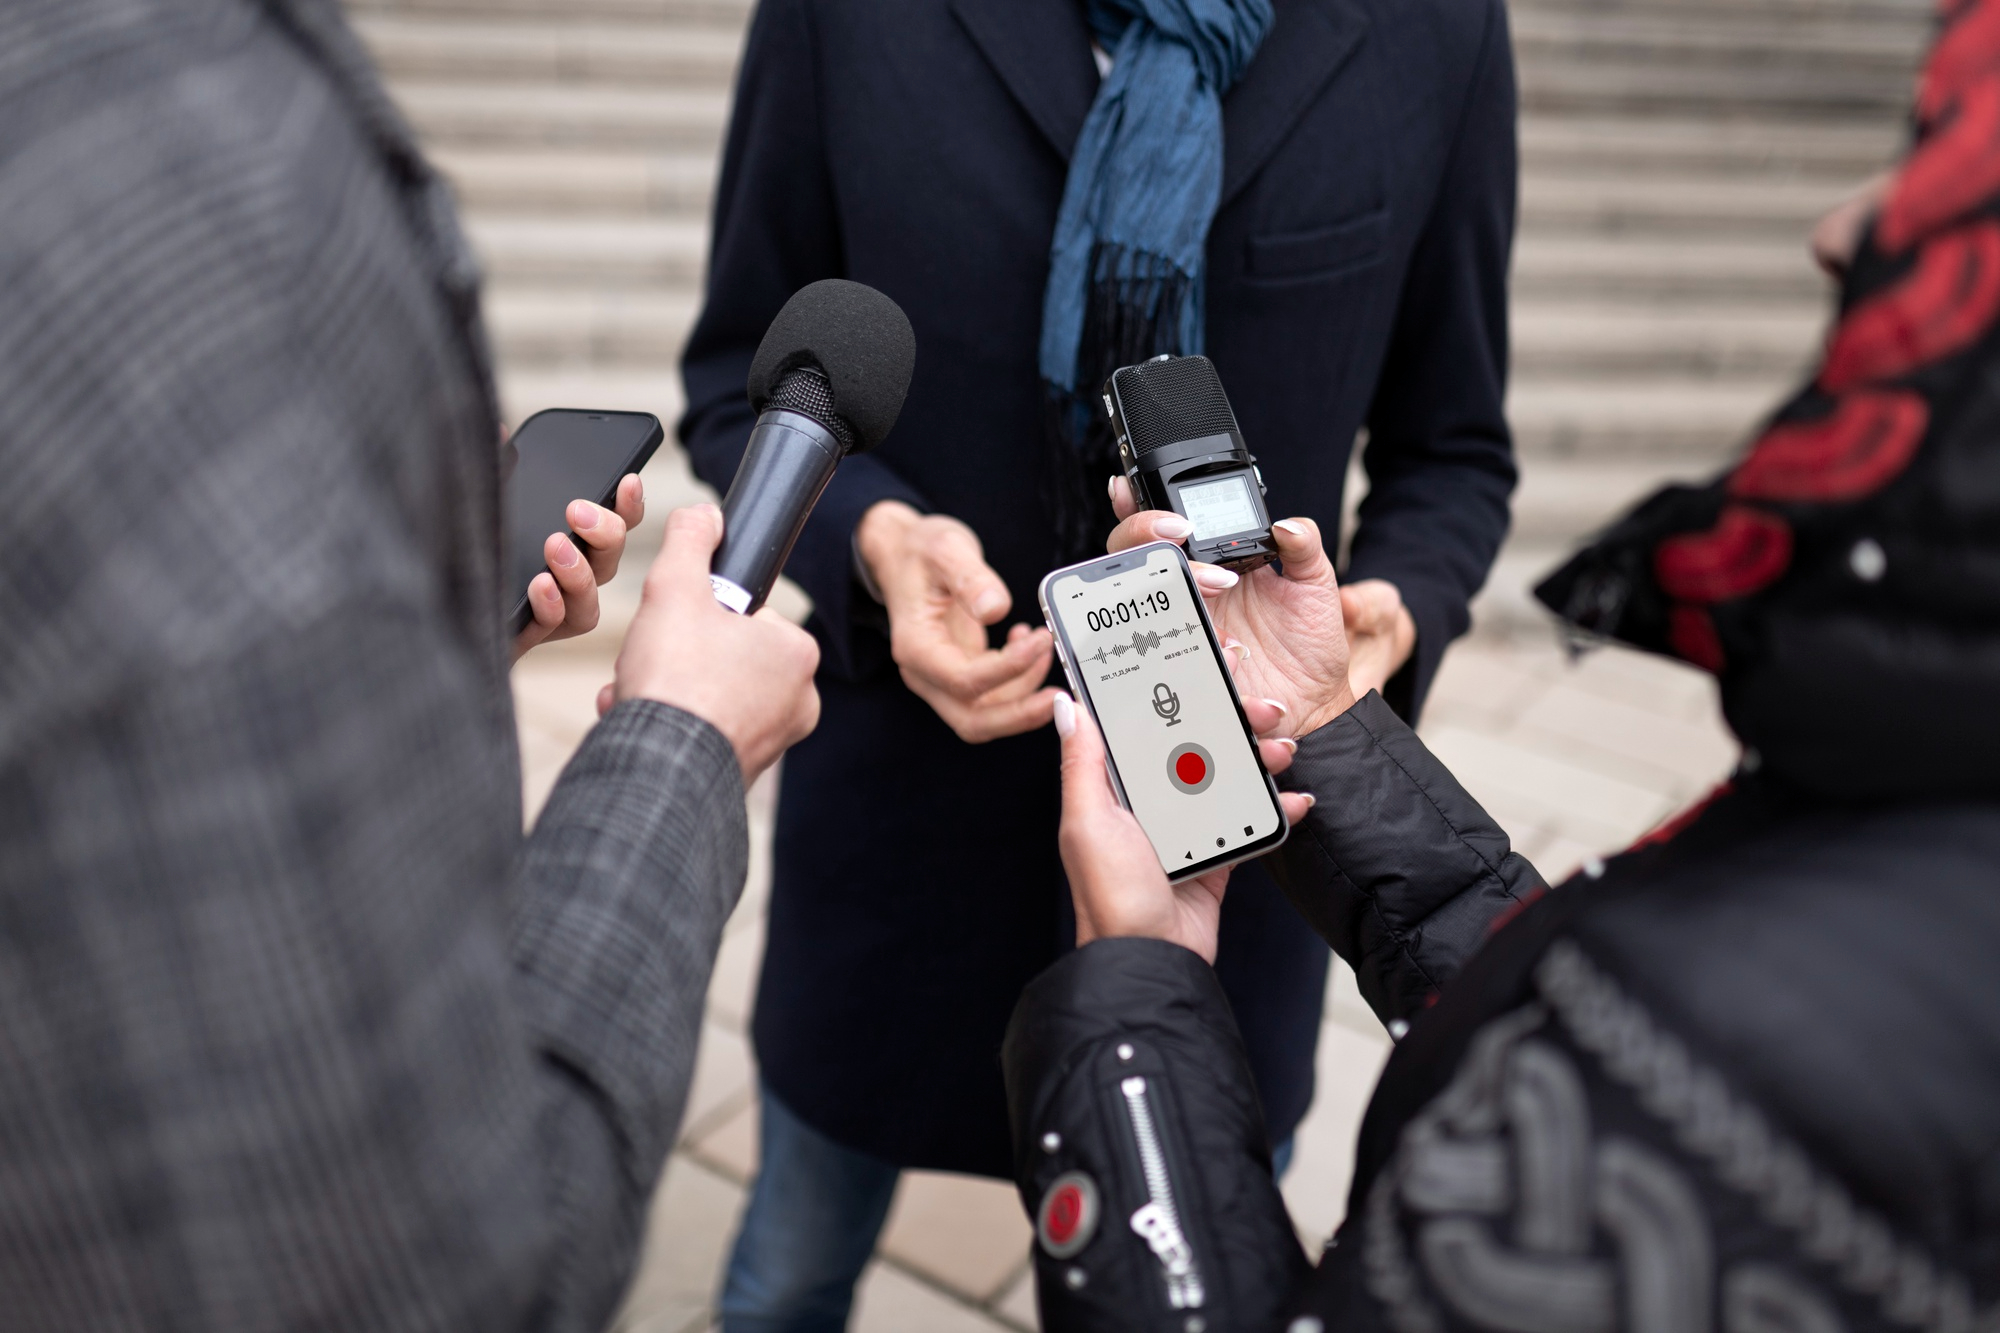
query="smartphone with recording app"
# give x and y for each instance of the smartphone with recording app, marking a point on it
(1141, 655)
(557, 456)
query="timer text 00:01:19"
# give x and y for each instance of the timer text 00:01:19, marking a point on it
(1127, 611)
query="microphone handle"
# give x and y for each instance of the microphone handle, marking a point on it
(786, 467)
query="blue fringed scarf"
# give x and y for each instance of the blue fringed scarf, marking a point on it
(1126, 267)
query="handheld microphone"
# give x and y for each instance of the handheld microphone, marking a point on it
(828, 380)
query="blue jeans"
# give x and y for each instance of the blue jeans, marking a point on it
(815, 1212)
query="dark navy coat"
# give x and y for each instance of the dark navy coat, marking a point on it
(1357, 278)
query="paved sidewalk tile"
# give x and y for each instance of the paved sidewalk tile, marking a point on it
(723, 1080)
(733, 988)
(1017, 1305)
(1628, 740)
(683, 1251)
(966, 1233)
(729, 1145)
(1515, 781)
(890, 1301)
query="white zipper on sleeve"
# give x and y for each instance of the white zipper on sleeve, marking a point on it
(1157, 1222)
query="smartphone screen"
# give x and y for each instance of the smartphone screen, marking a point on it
(557, 456)
(1144, 659)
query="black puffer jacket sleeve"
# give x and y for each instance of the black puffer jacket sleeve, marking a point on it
(1140, 1148)
(1395, 866)
(1127, 1080)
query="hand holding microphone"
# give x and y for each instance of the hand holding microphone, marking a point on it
(749, 677)
(828, 380)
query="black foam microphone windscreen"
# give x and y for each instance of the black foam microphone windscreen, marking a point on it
(1171, 400)
(829, 379)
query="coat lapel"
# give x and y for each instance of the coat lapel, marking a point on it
(1041, 50)
(1309, 42)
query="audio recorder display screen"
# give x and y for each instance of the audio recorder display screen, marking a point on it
(1219, 508)
(1146, 663)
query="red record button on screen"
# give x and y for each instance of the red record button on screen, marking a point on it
(1190, 768)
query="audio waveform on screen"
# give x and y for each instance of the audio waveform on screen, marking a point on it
(1143, 642)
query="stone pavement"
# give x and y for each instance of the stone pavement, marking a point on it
(1673, 154)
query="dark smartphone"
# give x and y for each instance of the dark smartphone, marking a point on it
(1141, 654)
(557, 456)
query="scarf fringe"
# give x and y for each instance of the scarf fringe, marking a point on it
(1138, 306)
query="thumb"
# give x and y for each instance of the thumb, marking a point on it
(689, 548)
(1370, 606)
(1086, 785)
(1300, 547)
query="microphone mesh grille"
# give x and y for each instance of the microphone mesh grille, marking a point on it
(809, 393)
(1166, 402)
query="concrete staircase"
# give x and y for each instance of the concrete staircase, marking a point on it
(583, 137)
(1674, 154)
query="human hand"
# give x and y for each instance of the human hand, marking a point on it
(941, 596)
(750, 677)
(1115, 879)
(1288, 628)
(1380, 633)
(563, 598)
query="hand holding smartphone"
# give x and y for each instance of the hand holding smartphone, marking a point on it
(557, 456)
(1142, 656)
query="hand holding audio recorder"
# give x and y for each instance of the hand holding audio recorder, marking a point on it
(1183, 451)
(1291, 618)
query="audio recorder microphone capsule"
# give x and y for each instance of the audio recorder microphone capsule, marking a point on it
(827, 381)
(1182, 450)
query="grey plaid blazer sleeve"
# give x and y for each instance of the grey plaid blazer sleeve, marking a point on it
(296, 1030)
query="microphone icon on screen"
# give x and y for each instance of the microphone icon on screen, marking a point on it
(1167, 704)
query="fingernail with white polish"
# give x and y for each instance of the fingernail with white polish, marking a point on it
(1237, 646)
(1172, 528)
(1288, 743)
(1277, 704)
(1065, 716)
(1216, 579)
(1111, 487)
(1311, 800)
(1290, 527)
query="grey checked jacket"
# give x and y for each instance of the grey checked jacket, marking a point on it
(296, 1030)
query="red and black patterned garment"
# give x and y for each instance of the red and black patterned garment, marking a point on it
(1743, 1078)
(1848, 567)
